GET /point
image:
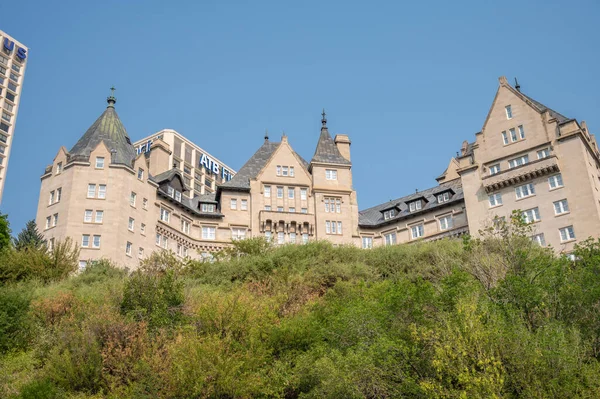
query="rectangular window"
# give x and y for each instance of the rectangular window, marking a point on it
(278, 170)
(330, 174)
(446, 222)
(389, 214)
(555, 181)
(12, 86)
(177, 195)
(208, 233)
(145, 203)
(303, 194)
(292, 209)
(495, 169)
(267, 207)
(495, 199)
(513, 163)
(445, 197)
(280, 237)
(279, 192)
(165, 242)
(99, 216)
(417, 231)
(414, 206)
(91, 193)
(99, 162)
(305, 238)
(567, 233)
(539, 239)
(561, 207)
(158, 237)
(244, 205)
(367, 242)
(521, 132)
(143, 229)
(291, 171)
(131, 224)
(96, 241)
(208, 208)
(284, 170)
(102, 191)
(327, 227)
(525, 190)
(504, 138)
(233, 203)
(390, 238)
(531, 215)
(508, 109)
(339, 227)
(165, 215)
(85, 240)
(291, 192)
(304, 210)
(51, 199)
(279, 209)
(292, 238)
(6, 116)
(185, 226)
(513, 134)
(10, 97)
(268, 236)
(87, 217)
(141, 174)
(128, 248)
(48, 220)
(267, 191)
(58, 168)
(545, 153)
(58, 194)
(238, 234)
(132, 198)
(54, 219)
(8, 107)
(140, 252)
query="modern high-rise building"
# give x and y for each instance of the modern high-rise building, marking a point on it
(13, 60)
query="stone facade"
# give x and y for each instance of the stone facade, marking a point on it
(166, 192)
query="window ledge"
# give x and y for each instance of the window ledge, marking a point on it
(568, 241)
(495, 206)
(524, 198)
(561, 214)
(555, 188)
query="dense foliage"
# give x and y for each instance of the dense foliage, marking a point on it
(498, 317)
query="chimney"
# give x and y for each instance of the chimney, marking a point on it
(342, 142)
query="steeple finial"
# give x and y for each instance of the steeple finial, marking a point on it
(517, 85)
(266, 134)
(324, 119)
(111, 100)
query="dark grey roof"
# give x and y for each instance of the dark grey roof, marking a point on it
(107, 128)
(251, 169)
(191, 204)
(327, 151)
(373, 217)
(207, 198)
(542, 108)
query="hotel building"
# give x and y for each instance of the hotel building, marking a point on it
(13, 60)
(122, 201)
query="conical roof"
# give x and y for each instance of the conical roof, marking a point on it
(107, 128)
(327, 151)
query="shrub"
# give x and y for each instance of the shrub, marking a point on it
(15, 321)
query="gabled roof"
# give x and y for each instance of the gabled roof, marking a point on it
(251, 169)
(327, 151)
(109, 129)
(170, 175)
(542, 108)
(373, 217)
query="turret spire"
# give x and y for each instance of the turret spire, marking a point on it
(517, 85)
(111, 100)
(266, 134)
(324, 119)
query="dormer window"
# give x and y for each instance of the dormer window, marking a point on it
(99, 162)
(389, 214)
(177, 195)
(508, 109)
(170, 191)
(443, 197)
(208, 208)
(415, 206)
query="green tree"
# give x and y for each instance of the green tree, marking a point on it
(4, 232)
(29, 237)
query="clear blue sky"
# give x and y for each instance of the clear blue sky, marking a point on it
(408, 81)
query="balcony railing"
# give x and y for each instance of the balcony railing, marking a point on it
(520, 174)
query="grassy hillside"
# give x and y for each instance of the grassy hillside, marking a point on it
(450, 319)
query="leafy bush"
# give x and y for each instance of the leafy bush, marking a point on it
(15, 320)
